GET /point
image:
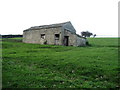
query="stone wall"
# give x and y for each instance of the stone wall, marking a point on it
(72, 37)
(81, 41)
(34, 36)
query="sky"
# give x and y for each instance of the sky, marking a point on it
(97, 16)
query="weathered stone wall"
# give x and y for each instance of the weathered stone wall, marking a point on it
(72, 38)
(81, 41)
(34, 36)
(28, 36)
(75, 40)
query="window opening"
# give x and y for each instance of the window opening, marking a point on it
(57, 36)
(43, 36)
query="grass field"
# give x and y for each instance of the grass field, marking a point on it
(48, 66)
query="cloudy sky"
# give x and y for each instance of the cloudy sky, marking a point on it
(97, 16)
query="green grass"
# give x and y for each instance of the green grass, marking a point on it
(49, 66)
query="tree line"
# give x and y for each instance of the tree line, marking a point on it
(11, 36)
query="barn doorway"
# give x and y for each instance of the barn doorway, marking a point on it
(66, 40)
(57, 39)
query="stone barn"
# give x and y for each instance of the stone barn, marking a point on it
(54, 34)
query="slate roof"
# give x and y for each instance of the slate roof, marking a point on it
(66, 25)
(47, 26)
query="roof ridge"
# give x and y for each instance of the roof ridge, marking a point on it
(59, 24)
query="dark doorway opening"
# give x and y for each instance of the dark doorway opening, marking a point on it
(57, 39)
(66, 40)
